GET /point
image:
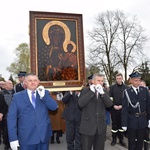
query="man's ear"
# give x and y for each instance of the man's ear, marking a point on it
(92, 81)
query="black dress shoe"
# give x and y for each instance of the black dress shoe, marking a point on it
(122, 144)
(113, 143)
(52, 141)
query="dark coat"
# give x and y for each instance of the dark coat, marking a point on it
(18, 87)
(72, 110)
(116, 92)
(3, 105)
(93, 112)
(129, 119)
(8, 95)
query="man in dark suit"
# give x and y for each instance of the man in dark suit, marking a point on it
(3, 107)
(3, 111)
(93, 102)
(72, 115)
(20, 87)
(135, 112)
(28, 121)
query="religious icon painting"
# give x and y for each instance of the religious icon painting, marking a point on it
(57, 49)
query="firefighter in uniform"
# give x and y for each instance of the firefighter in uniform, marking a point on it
(135, 112)
(116, 91)
(20, 87)
(89, 80)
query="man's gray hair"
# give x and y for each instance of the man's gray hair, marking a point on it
(97, 75)
(30, 74)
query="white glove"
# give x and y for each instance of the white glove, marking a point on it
(99, 89)
(59, 96)
(14, 145)
(92, 88)
(41, 91)
(124, 128)
(149, 124)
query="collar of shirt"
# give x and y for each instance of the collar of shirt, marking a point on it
(29, 94)
(134, 88)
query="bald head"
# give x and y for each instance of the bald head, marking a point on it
(8, 85)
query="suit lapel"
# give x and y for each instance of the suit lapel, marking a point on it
(133, 92)
(37, 101)
(140, 91)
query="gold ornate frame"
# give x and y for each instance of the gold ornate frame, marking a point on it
(58, 66)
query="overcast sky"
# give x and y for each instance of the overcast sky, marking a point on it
(14, 15)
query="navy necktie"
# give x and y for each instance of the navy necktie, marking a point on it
(33, 98)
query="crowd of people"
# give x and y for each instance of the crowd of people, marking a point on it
(31, 116)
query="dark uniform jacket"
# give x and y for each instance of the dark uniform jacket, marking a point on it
(93, 112)
(116, 92)
(72, 110)
(130, 116)
(19, 87)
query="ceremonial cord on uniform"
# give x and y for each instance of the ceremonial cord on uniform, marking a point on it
(134, 106)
